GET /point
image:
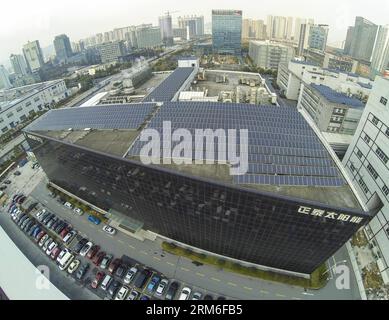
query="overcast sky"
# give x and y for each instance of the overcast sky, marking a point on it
(41, 20)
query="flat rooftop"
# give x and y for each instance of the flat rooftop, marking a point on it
(337, 97)
(285, 156)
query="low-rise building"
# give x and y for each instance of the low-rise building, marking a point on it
(269, 55)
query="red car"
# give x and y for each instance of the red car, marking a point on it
(92, 252)
(64, 232)
(98, 257)
(99, 276)
(114, 265)
(39, 236)
(54, 254)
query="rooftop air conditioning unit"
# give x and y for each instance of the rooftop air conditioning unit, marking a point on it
(87, 129)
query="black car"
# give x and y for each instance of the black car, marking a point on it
(61, 227)
(121, 271)
(113, 289)
(17, 173)
(31, 207)
(20, 217)
(208, 297)
(35, 225)
(82, 271)
(30, 226)
(77, 248)
(3, 187)
(7, 182)
(171, 292)
(140, 281)
(27, 225)
(56, 224)
(47, 218)
(21, 221)
(51, 222)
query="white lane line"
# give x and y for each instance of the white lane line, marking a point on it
(169, 263)
(215, 279)
(232, 284)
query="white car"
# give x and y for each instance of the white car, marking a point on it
(161, 287)
(196, 296)
(73, 266)
(69, 236)
(51, 247)
(85, 249)
(109, 230)
(121, 295)
(185, 293)
(68, 205)
(130, 275)
(61, 254)
(40, 214)
(43, 240)
(78, 211)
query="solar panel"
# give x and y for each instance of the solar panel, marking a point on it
(124, 116)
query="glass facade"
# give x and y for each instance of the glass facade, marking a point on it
(244, 224)
(227, 31)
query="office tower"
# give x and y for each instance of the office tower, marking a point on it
(380, 57)
(269, 55)
(279, 28)
(4, 78)
(360, 39)
(148, 36)
(297, 27)
(19, 64)
(318, 35)
(63, 49)
(111, 51)
(253, 29)
(33, 54)
(165, 24)
(367, 162)
(227, 31)
(304, 37)
(289, 26)
(194, 25)
(269, 27)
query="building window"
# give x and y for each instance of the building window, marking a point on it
(359, 154)
(5, 129)
(372, 171)
(363, 185)
(384, 101)
(375, 120)
(352, 167)
(382, 155)
(385, 190)
(19, 109)
(9, 115)
(387, 132)
(36, 99)
(28, 104)
(366, 138)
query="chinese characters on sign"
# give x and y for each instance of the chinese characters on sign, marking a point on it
(330, 215)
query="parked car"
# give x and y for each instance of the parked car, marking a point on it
(40, 213)
(63, 225)
(114, 265)
(105, 262)
(106, 282)
(55, 224)
(221, 298)
(171, 291)
(185, 293)
(77, 248)
(113, 289)
(44, 216)
(36, 231)
(43, 240)
(34, 227)
(51, 247)
(22, 199)
(196, 296)
(161, 287)
(68, 205)
(144, 297)
(47, 244)
(62, 253)
(98, 258)
(97, 280)
(64, 232)
(3, 187)
(51, 222)
(85, 249)
(78, 211)
(120, 271)
(55, 253)
(94, 219)
(82, 271)
(121, 295)
(73, 266)
(208, 297)
(47, 218)
(130, 275)
(133, 295)
(92, 252)
(141, 279)
(109, 230)
(69, 237)
(153, 284)
(7, 181)
(28, 226)
(40, 236)
(17, 173)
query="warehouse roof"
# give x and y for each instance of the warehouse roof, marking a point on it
(337, 97)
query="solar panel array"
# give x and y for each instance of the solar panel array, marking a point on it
(282, 147)
(169, 87)
(123, 116)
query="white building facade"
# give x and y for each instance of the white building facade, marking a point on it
(268, 55)
(367, 162)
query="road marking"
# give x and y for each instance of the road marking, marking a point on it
(121, 241)
(264, 292)
(280, 295)
(132, 247)
(169, 263)
(248, 288)
(156, 258)
(215, 279)
(184, 269)
(199, 274)
(231, 284)
(144, 252)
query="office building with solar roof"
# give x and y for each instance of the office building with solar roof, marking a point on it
(289, 212)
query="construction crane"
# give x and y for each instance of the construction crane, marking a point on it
(168, 12)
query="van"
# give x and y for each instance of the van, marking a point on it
(106, 282)
(65, 261)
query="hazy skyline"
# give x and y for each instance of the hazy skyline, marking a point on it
(42, 20)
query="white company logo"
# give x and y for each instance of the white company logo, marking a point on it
(330, 215)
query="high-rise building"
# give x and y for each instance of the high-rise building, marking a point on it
(111, 51)
(193, 24)
(360, 39)
(227, 31)
(165, 25)
(304, 38)
(367, 162)
(148, 36)
(297, 27)
(380, 56)
(33, 54)
(63, 48)
(19, 64)
(318, 35)
(289, 28)
(4, 78)
(253, 29)
(268, 55)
